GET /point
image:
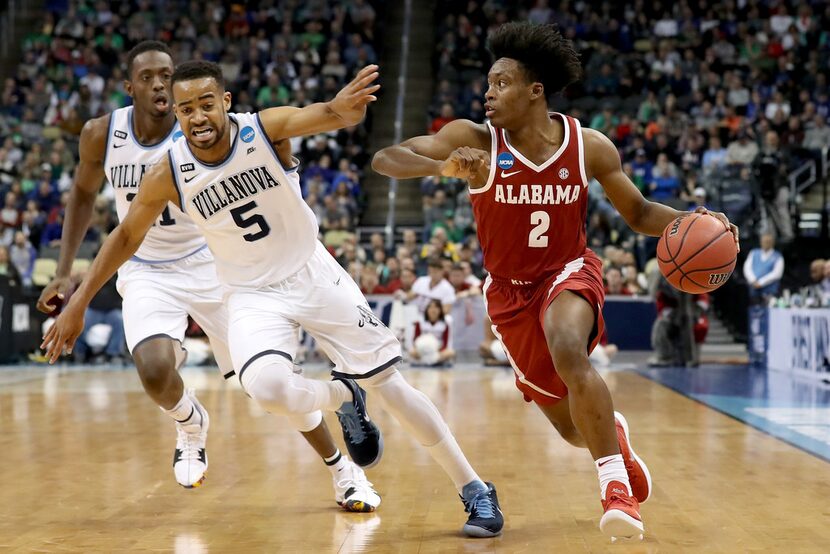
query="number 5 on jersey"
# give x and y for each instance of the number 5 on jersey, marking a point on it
(242, 222)
(537, 238)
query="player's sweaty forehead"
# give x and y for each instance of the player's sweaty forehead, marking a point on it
(187, 93)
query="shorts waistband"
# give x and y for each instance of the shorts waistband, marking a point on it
(515, 282)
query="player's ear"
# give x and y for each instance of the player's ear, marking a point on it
(128, 87)
(226, 100)
(537, 90)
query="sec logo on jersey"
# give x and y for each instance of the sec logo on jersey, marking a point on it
(247, 134)
(177, 135)
(564, 173)
(506, 160)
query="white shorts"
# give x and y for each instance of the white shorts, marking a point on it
(327, 303)
(157, 298)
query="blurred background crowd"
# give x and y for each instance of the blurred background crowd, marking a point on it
(710, 104)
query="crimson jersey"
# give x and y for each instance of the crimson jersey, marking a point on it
(531, 219)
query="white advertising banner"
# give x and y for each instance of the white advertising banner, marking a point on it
(799, 341)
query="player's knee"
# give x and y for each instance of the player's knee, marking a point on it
(154, 366)
(568, 350)
(269, 383)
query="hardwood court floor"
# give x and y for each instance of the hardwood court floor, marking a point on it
(85, 460)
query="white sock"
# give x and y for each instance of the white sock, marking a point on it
(611, 468)
(336, 462)
(185, 412)
(420, 418)
(450, 457)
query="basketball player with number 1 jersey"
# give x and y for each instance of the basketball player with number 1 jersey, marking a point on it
(171, 275)
(227, 176)
(528, 172)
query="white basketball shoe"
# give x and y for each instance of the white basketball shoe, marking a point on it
(352, 491)
(190, 460)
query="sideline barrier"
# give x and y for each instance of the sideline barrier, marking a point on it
(798, 341)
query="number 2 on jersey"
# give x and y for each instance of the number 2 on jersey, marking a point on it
(238, 215)
(166, 219)
(537, 238)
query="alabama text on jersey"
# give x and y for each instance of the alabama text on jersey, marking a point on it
(531, 218)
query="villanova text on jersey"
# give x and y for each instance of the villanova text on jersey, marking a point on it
(217, 196)
(127, 176)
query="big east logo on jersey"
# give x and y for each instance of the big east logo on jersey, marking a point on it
(505, 160)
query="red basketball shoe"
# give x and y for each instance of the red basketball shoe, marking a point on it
(638, 475)
(622, 513)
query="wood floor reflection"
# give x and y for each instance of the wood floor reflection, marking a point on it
(86, 458)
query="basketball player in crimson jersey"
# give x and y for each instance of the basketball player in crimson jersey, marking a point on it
(528, 171)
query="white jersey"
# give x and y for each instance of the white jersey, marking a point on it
(174, 236)
(248, 207)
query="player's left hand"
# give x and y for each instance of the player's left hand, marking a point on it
(350, 103)
(62, 335)
(732, 228)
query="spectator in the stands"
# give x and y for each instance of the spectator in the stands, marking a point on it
(7, 268)
(614, 283)
(641, 170)
(434, 286)
(432, 340)
(10, 214)
(458, 279)
(817, 135)
(23, 256)
(105, 308)
(446, 115)
(763, 270)
(408, 278)
(715, 156)
(771, 173)
(742, 151)
(698, 199)
(665, 179)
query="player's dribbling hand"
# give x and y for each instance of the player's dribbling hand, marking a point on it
(470, 164)
(350, 103)
(56, 288)
(62, 335)
(725, 220)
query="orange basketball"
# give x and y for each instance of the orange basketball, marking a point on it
(696, 253)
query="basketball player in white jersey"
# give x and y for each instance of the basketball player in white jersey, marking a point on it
(227, 176)
(171, 274)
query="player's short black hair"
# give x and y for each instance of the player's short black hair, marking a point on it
(198, 69)
(546, 56)
(145, 46)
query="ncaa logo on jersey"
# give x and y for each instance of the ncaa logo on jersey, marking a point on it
(505, 160)
(177, 135)
(247, 134)
(563, 173)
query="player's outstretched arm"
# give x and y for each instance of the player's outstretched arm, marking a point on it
(88, 178)
(155, 191)
(602, 161)
(344, 110)
(426, 155)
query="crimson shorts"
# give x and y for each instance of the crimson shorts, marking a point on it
(518, 313)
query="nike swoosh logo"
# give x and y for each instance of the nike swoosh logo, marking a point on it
(603, 463)
(338, 281)
(118, 145)
(186, 180)
(506, 175)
